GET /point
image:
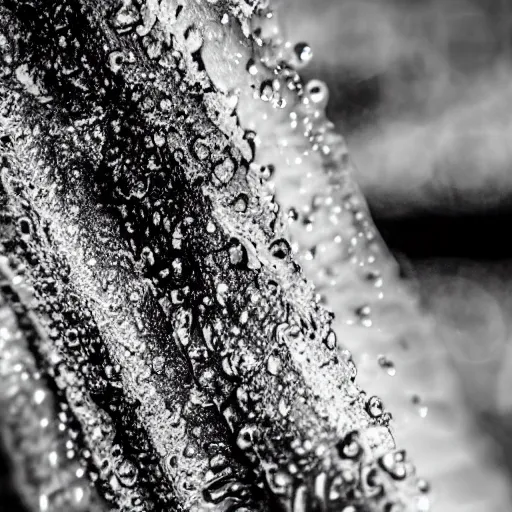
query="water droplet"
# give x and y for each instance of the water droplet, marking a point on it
(116, 60)
(126, 17)
(363, 314)
(394, 464)
(225, 171)
(273, 365)
(25, 226)
(245, 438)
(422, 409)
(283, 407)
(222, 290)
(194, 39)
(280, 249)
(252, 68)
(350, 447)
(177, 267)
(266, 90)
(39, 396)
(158, 364)
(189, 451)
(303, 54)
(280, 481)
(43, 503)
(126, 473)
(317, 92)
(423, 485)
(236, 254)
(387, 365)
(241, 203)
(374, 406)
(201, 150)
(331, 340)
(183, 323)
(423, 504)
(159, 139)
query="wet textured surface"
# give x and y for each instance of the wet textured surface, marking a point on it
(173, 339)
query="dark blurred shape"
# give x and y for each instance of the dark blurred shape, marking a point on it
(477, 237)
(9, 499)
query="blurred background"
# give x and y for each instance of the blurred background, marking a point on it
(422, 91)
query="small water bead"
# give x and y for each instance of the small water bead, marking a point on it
(43, 503)
(189, 451)
(331, 340)
(126, 473)
(183, 323)
(422, 409)
(303, 55)
(116, 60)
(374, 407)
(39, 396)
(279, 102)
(423, 485)
(158, 364)
(159, 139)
(241, 202)
(273, 365)
(246, 436)
(393, 507)
(293, 215)
(363, 313)
(201, 150)
(222, 290)
(78, 494)
(236, 254)
(252, 68)
(126, 17)
(266, 171)
(194, 39)
(395, 464)
(267, 90)
(280, 480)
(350, 447)
(225, 171)
(387, 365)
(283, 407)
(280, 248)
(423, 504)
(25, 226)
(317, 92)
